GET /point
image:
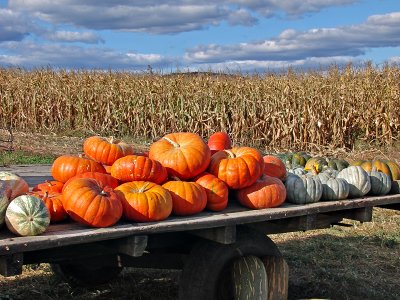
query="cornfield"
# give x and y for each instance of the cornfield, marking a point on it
(295, 110)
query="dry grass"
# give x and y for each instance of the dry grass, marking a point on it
(297, 111)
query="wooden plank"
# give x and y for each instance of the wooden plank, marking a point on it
(222, 235)
(131, 245)
(11, 265)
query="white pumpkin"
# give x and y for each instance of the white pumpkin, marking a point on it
(358, 179)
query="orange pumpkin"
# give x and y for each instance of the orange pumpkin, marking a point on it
(188, 198)
(219, 141)
(274, 166)
(88, 202)
(238, 167)
(16, 183)
(49, 186)
(216, 190)
(183, 154)
(53, 202)
(144, 201)
(106, 151)
(388, 167)
(67, 166)
(103, 178)
(138, 168)
(264, 193)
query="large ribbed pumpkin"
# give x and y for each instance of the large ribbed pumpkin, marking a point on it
(5, 195)
(274, 166)
(144, 201)
(238, 167)
(380, 183)
(334, 189)
(53, 202)
(27, 215)
(219, 141)
(188, 198)
(184, 154)
(67, 166)
(88, 202)
(138, 168)
(358, 179)
(17, 184)
(104, 178)
(106, 150)
(303, 189)
(217, 191)
(264, 193)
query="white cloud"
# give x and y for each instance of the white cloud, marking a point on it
(165, 17)
(296, 45)
(72, 36)
(13, 25)
(30, 55)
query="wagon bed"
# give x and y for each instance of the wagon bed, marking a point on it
(129, 242)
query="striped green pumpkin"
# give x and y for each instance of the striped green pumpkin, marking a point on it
(27, 215)
(250, 278)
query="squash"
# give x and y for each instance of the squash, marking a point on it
(144, 201)
(316, 162)
(337, 164)
(395, 188)
(17, 184)
(27, 215)
(335, 189)
(358, 179)
(5, 195)
(238, 167)
(184, 154)
(217, 191)
(274, 166)
(296, 171)
(380, 183)
(303, 189)
(266, 192)
(139, 168)
(388, 167)
(90, 203)
(188, 198)
(53, 202)
(219, 141)
(106, 151)
(67, 166)
(49, 186)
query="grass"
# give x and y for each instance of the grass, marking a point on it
(19, 157)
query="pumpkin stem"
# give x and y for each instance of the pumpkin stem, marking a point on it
(175, 144)
(231, 154)
(144, 187)
(103, 193)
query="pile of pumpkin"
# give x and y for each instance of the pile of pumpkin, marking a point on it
(181, 174)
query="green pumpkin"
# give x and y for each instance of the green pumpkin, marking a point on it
(27, 215)
(317, 162)
(395, 188)
(358, 179)
(303, 189)
(335, 189)
(250, 278)
(380, 183)
(338, 164)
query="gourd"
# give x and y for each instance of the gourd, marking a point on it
(188, 198)
(90, 203)
(49, 186)
(144, 201)
(219, 141)
(303, 189)
(264, 193)
(316, 162)
(274, 166)
(216, 190)
(380, 183)
(53, 202)
(104, 178)
(335, 189)
(139, 168)
(184, 154)
(296, 171)
(27, 215)
(238, 167)
(390, 168)
(16, 183)
(358, 179)
(106, 150)
(5, 195)
(337, 164)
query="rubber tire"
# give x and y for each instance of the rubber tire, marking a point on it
(82, 275)
(206, 273)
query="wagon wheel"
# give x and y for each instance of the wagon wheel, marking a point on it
(85, 275)
(209, 272)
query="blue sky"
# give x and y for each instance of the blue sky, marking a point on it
(193, 35)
